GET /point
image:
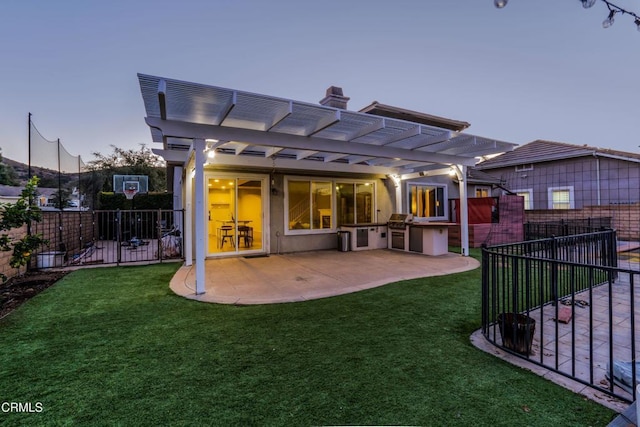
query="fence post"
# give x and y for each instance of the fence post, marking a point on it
(159, 234)
(118, 236)
(554, 269)
(485, 289)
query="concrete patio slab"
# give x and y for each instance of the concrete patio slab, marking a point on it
(306, 276)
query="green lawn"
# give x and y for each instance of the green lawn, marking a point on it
(114, 346)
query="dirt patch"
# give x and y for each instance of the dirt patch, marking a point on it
(19, 289)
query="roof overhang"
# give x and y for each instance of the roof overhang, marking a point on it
(414, 116)
(252, 129)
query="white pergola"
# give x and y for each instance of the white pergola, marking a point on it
(248, 129)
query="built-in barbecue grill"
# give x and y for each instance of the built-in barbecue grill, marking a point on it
(398, 221)
(398, 230)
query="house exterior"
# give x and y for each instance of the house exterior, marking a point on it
(11, 194)
(559, 176)
(258, 174)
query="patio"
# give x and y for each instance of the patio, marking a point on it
(305, 276)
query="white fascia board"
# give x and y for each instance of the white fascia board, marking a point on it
(271, 139)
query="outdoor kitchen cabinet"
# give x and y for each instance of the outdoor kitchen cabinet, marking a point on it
(429, 238)
(366, 236)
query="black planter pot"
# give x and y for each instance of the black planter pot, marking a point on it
(517, 331)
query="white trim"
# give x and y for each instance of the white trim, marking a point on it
(569, 188)
(529, 191)
(524, 167)
(445, 197)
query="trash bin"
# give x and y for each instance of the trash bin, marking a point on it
(344, 239)
(517, 331)
(49, 259)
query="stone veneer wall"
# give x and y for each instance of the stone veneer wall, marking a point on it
(5, 256)
(624, 218)
(65, 227)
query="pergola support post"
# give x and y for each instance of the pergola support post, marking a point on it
(200, 231)
(188, 214)
(461, 172)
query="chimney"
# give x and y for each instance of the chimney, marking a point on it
(335, 98)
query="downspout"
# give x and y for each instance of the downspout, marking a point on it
(200, 231)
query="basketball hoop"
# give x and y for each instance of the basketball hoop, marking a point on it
(130, 189)
(130, 192)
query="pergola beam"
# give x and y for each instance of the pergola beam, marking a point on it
(179, 129)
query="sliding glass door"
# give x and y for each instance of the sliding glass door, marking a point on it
(236, 214)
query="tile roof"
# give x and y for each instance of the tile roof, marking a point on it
(544, 151)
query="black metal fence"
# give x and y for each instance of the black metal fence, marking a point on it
(79, 238)
(565, 227)
(565, 304)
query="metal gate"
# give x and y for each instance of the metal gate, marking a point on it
(80, 238)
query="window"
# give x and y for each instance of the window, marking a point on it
(522, 168)
(322, 205)
(528, 197)
(309, 205)
(354, 202)
(561, 198)
(427, 201)
(483, 192)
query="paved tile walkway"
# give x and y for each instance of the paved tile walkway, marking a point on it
(305, 276)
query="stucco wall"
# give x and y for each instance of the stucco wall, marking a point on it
(279, 241)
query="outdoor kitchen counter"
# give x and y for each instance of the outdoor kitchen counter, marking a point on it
(429, 238)
(365, 236)
(366, 224)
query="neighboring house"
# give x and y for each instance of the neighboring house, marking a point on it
(558, 176)
(45, 200)
(11, 194)
(258, 174)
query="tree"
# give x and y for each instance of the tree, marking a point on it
(7, 174)
(127, 162)
(16, 215)
(62, 198)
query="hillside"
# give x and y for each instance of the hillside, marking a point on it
(45, 175)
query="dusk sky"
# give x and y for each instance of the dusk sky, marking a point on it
(543, 69)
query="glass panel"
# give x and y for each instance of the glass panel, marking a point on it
(561, 199)
(526, 197)
(345, 203)
(222, 207)
(321, 202)
(249, 221)
(440, 201)
(482, 192)
(426, 201)
(364, 203)
(299, 205)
